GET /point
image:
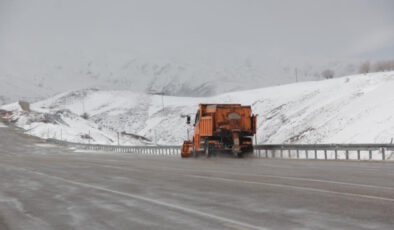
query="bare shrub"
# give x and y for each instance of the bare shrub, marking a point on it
(383, 66)
(365, 67)
(328, 74)
(85, 116)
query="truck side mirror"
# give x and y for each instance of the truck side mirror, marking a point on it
(188, 120)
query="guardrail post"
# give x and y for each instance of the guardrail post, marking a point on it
(289, 153)
(336, 153)
(306, 154)
(325, 154)
(383, 153)
(358, 155)
(347, 154)
(315, 154)
(298, 153)
(281, 152)
(370, 154)
(266, 153)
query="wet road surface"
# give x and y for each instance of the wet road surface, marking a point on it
(45, 186)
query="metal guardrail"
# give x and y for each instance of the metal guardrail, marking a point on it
(325, 151)
(285, 151)
(168, 150)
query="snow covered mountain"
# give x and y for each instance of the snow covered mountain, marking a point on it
(186, 77)
(352, 109)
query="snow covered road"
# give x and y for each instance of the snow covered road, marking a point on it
(51, 187)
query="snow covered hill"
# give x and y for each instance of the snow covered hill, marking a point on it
(185, 77)
(353, 109)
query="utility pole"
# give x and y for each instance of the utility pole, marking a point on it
(83, 106)
(162, 103)
(154, 131)
(162, 99)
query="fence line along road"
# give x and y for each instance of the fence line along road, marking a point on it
(168, 150)
(286, 151)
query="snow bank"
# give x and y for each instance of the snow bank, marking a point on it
(353, 109)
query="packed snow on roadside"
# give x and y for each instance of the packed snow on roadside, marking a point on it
(353, 109)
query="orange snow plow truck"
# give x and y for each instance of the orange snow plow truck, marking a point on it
(221, 127)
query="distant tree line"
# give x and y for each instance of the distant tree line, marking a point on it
(379, 66)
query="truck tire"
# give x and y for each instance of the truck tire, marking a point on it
(207, 149)
(194, 153)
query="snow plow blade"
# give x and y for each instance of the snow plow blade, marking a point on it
(187, 149)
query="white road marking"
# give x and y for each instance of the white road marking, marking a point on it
(264, 183)
(289, 178)
(154, 201)
(267, 175)
(294, 187)
(253, 182)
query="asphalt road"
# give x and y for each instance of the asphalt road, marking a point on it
(51, 187)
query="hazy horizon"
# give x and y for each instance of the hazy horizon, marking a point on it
(64, 41)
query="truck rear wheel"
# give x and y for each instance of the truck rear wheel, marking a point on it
(208, 149)
(195, 154)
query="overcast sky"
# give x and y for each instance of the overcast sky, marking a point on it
(308, 29)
